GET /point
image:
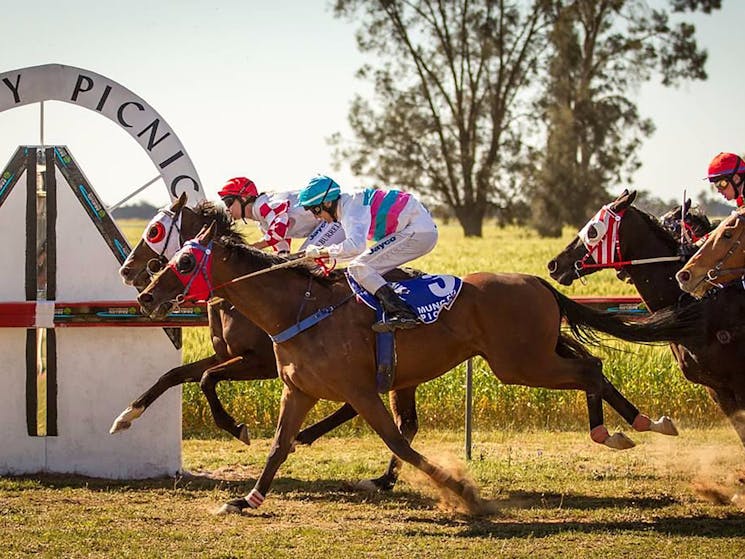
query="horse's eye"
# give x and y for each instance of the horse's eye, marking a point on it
(186, 263)
(727, 234)
(156, 233)
(592, 232)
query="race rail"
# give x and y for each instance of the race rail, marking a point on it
(58, 314)
(62, 314)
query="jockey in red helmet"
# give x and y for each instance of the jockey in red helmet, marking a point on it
(727, 175)
(277, 214)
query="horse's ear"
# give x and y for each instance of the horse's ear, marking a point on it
(207, 233)
(624, 200)
(179, 202)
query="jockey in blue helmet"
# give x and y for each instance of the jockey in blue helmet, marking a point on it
(398, 224)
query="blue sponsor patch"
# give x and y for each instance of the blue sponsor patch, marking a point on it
(427, 294)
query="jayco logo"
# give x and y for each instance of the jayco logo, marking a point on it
(382, 245)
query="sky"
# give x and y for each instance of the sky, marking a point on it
(255, 88)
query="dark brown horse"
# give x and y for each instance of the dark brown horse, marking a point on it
(717, 361)
(511, 320)
(242, 350)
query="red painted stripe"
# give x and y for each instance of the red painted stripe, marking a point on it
(18, 315)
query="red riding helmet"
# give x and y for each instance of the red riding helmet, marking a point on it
(725, 164)
(239, 186)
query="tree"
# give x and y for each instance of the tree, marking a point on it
(600, 51)
(450, 97)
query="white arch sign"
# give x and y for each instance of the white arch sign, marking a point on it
(56, 82)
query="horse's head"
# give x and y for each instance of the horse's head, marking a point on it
(187, 275)
(720, 260)
(594, 244)
(164, 236)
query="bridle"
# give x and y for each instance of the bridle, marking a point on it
(201, 274)
(157, 263)
(607, 247)
(717, 271)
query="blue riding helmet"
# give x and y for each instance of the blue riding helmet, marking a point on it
(320, 189)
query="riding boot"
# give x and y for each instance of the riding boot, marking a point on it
(397, 313)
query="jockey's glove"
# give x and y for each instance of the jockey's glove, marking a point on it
(315, 251)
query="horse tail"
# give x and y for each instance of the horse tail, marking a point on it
(672, 324)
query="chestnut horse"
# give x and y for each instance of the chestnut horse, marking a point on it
(715, 362)
(242, 350)
(511, 320)
(720, 260)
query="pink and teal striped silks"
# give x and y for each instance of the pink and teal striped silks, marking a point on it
(385, 207)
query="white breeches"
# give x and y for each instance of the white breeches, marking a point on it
(415, 240)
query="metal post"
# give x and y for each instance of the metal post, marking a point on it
(469, 406)
(41, 123)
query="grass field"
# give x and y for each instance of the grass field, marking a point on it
(550, 491)
(552, 494)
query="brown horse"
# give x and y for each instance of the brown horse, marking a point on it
(242, 350)
(716, 362)
(720, 260)
(511, 320)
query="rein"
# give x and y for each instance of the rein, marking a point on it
(300, 324)
(581, 265)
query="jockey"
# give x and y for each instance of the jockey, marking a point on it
(278, 215)
(398, 223)
(727, 175)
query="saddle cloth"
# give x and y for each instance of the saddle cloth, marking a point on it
(426, 294)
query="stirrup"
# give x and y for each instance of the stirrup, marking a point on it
(395, 323)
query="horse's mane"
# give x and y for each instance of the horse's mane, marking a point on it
(658, 230)
(236, 247)
(208, 212)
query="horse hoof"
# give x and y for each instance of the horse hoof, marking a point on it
(227, 508)
(738, 499)
(234, 506)
(243, 435)
(125, 419)
(619, 441)
(665, 426)
(366, 485)
(382, 483)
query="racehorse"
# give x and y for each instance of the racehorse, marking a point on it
(720, 261)
(242, 350)
(511, 320)
(651, 256)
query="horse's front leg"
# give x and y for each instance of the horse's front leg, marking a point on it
(190, 372)
(294, 406)
(372, 410)
(403, 406)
